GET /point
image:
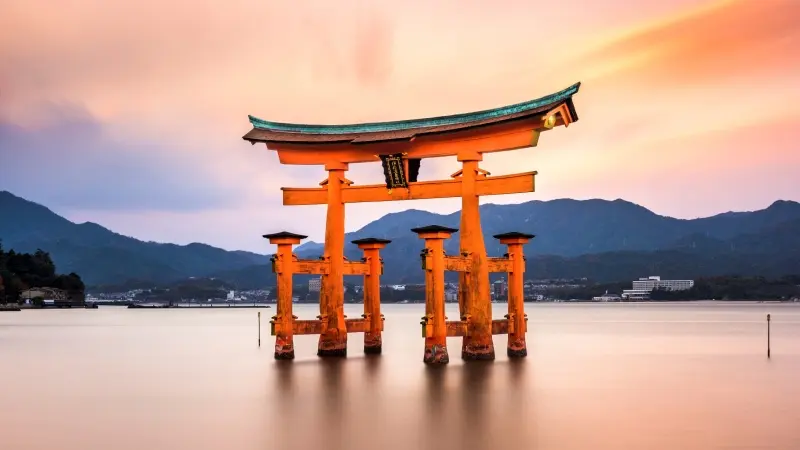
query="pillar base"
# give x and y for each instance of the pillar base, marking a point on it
(284, 355)
(436, 354)
(517, 349)
(472, 352)
(284, 348)
(373, 350)
(332, 349)
(517, 353)
(372, 344)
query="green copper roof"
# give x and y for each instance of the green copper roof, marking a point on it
(400, 125)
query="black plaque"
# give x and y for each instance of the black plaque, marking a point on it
(393, 171)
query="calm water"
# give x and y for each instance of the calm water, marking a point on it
(610, 376)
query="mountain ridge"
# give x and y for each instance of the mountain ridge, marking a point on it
(570, 236)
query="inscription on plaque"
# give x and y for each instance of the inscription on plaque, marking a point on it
(393, 171)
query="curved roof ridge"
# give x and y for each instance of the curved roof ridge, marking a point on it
(400, 125)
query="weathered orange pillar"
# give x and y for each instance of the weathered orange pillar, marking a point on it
(434, 323)
(517, 319)
(333, 339)
(283, 322)
(474, 300)
(372, 293)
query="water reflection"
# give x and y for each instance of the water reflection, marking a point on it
(596, 377)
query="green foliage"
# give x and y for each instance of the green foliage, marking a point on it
(21, 271)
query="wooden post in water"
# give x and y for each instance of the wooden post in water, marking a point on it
(434, 324)
(517, 320)
(373, 342)
(283, 265)
(259, 329)
(769, 350)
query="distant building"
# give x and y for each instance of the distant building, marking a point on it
(655, 282)
(607, 298)
(314, 284)
(52, 297)
(643, 286)
(499, 289)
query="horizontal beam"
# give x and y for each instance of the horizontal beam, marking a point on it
(311, 266)
(307, 327)
(322, 267)
(456, 263)
(500, 326)
(355, 268)
(357, 325)
(316, 326)
(498, 264)
(496, 185)
(456, 328)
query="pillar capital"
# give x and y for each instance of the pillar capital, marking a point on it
(434, 232)
(371, 243)
(284, 237)
(514, 237)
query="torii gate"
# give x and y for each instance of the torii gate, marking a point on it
(400, 146)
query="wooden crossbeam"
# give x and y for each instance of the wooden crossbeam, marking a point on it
(321, 267)
(315, 326)
(311, 266)
(307, 327)
(356, 268)
(456, 263)
(500, 326)
(456, 328)
(498, 264)
(497, 185)
(357, 325)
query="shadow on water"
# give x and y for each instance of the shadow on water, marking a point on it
(436, 424)
(476, 382)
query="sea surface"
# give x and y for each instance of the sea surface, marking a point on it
(598, 376)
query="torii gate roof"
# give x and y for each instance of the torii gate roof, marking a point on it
(364, 133)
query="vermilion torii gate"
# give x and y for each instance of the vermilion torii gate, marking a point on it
(400, 146)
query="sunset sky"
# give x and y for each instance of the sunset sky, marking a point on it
(130, 113)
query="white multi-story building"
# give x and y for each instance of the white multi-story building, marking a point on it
(650, 283)
(643, 286)
(314, 284)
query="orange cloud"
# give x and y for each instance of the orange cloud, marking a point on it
(728, 40)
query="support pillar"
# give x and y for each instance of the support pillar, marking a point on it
(474, 300)
(517, 319)
(434, 324)
(372, 293)
(333, 339)
(283, 265)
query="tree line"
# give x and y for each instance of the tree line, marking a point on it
(22, 271)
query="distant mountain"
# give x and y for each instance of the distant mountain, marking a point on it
(102, 256)
(604, 240)
(599, 239)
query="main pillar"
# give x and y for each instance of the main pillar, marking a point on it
(283, 321)
(373, 342)
(434, 324)
(474, 301)
(333, 340)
